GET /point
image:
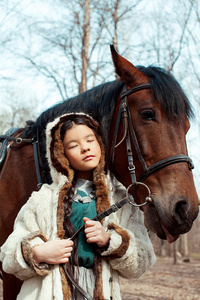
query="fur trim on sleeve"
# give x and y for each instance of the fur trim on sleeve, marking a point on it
(42, 269)
(119, 242)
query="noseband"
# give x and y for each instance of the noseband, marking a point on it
(125, 115)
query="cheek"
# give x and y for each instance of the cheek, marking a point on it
(72, 161)
(69, 156)
(99, 152)
(66, 154)
(69, 159)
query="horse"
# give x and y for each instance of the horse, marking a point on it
(144, 117)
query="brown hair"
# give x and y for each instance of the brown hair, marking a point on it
(66, 123)
(77, 119)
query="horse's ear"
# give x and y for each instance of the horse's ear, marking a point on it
(126, 70)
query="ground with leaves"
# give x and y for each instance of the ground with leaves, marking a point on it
(165, 281)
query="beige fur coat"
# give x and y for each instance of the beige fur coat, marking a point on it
(129, 254)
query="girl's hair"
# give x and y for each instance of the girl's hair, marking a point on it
(75, 119)
(79, 120)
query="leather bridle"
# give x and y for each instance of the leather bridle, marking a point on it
(125, 115)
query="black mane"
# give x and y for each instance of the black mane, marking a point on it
(99, 102)
(168, 92)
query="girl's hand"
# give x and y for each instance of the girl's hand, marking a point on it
(53, 252)
(95, 233)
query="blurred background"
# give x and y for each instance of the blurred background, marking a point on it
(52, 50)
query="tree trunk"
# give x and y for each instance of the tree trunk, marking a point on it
(115, 21)
(174, 252)
(85, 47)
(185, 250)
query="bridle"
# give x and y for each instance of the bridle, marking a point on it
(129, 133)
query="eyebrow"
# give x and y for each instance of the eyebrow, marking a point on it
(73, 141)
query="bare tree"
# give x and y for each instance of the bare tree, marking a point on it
(17, 106)
(70, 45)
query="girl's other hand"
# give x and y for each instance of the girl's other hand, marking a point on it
(95, 233)
(53, 252)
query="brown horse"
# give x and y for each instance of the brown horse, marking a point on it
(150, 131)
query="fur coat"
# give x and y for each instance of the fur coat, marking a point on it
(129, 254)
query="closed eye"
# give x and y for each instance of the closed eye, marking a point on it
(148, 115)
(72, 146)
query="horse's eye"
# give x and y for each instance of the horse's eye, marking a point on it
(148, 115)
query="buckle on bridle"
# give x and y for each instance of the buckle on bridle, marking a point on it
(131, 169)
(18, 140)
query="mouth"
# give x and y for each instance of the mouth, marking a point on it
(89, 157)
(155, 225)
(170, 238)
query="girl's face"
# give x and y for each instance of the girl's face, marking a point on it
(82, 150)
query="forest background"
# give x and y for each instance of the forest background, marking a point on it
(52, 50)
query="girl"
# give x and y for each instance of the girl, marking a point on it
(40, 242)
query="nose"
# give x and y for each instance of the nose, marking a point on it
(85, 148)
(181, 209)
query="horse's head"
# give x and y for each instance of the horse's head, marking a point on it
(159, 115)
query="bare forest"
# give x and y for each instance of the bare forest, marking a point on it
(53, 50)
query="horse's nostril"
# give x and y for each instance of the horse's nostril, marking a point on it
(181, 211)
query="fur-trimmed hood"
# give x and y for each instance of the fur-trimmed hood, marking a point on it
(61, 172)
(59, 165)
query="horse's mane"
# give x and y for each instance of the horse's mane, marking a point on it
(99, 102)
(168, 92)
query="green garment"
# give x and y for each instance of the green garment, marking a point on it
(79, 211)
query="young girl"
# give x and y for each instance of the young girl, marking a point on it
(40, 242)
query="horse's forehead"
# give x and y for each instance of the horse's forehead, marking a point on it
(141, 98)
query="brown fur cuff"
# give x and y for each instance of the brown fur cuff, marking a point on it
(42, 269)
(121, 250)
